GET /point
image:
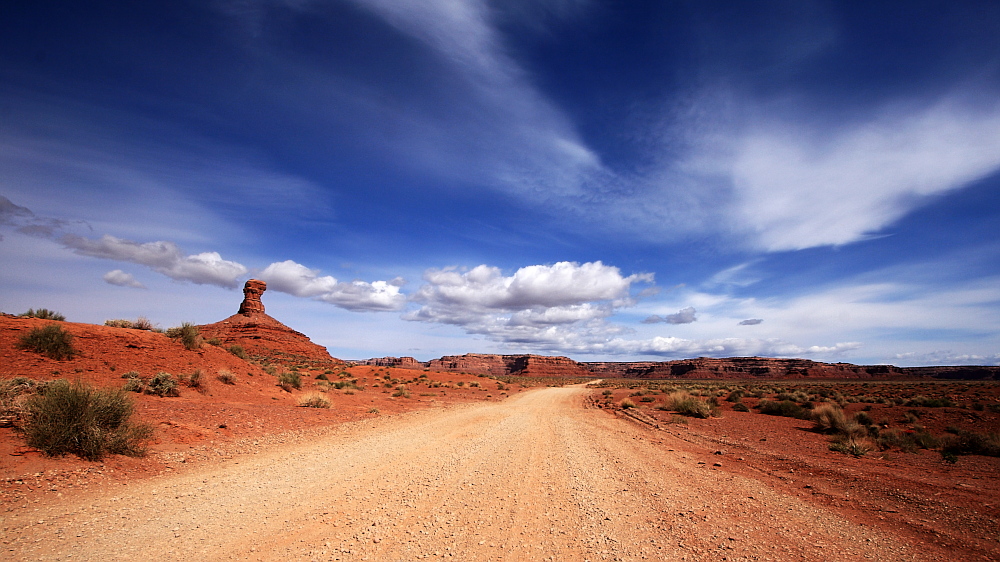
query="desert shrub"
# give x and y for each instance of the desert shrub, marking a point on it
(118, 323)
(238, 351)
(196, 380)
(627, 403)
(863, 418)
(401, 392)
(687, 405)
(857, 446)
(735, 396)
(162, 384)
(923, 401)
(142, 323)
(322, 377)
(971, 443)
(188, 334)
(44, 314)
(785, 408)
(349, 384)
(829, 418)
(740, 407)
(11, 394)
(225, 377)
(134, 384)
(314, 400)
(214, 341)
(372, 410)
(288, 380)
(81, 420)
(50, 340)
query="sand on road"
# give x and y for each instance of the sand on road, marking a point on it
(538, 476)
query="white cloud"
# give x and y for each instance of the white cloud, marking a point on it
(541, 305)
(207, 268)
(682, 316)
(799, 186)
(672, 347)
(360, 296)
(122, 279)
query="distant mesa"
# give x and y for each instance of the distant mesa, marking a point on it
(700, 368)
(262, 336)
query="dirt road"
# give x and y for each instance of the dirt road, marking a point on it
(536, 477)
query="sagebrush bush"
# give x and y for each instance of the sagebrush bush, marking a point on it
(50, 340)
(785, 408)
(829, 418)
(401, 392)
(196, 380)
(857, 446)
(314, 400)
(11, 393)
(44, 314)
(687, 405)
(971, 443)
(289, 380)
(76, 418)
(238, 351)
(162, 384)
(627, 403)
(226, 377)
(188, 334)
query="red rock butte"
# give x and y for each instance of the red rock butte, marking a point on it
(261, 335)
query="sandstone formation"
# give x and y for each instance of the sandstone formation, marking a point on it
(699, 368)
(398, 362)
(263, 336)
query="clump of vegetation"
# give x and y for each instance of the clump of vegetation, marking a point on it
(196, 380)
(11, 393)
(188, 334)
(314, 400)
(289, 380)
(50, 340)
(972, 443)
(627, 403)
(44, 314)
(162, 384)
(401, 392)
(786, 408)
(829, 418)
(141, 323)
(687, 405)
(75, 418)
(857, 446)
(226, 377)
(237, 350)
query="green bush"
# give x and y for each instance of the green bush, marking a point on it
(238, 351)
(163, 384)
(785, 408)
(289, 380)
(50, 340)
(188, 334)
(81, 420)
(44, 314)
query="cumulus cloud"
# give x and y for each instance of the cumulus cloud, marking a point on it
(122, 279)
(359, 296)
(682, 316)
(751, 321)
(540, 304)
(207, 268)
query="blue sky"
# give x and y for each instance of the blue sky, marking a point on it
(603, 180)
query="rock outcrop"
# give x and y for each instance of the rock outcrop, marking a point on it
(398, 362)
(502, 365)
(263, 336)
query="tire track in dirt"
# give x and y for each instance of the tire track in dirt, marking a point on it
(536, 477)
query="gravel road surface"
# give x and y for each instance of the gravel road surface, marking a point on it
(536, 477)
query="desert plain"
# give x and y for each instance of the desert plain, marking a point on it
(416, 463)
